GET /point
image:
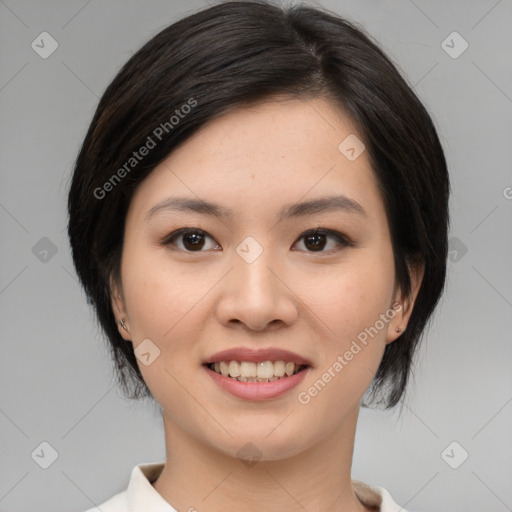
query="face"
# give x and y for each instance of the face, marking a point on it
(254, 274)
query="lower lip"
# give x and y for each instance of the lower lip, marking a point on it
(257, 390)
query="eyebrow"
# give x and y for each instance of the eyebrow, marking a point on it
(320, 205)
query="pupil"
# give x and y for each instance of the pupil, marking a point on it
(317, 244)
(196, 239)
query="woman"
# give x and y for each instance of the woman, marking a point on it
(259, 216)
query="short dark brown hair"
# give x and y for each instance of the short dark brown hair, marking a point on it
(238, 53)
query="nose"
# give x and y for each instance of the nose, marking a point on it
(257, 295)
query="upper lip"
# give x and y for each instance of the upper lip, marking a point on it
(257, 356)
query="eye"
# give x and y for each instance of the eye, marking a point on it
(315, 240)
(193, 239)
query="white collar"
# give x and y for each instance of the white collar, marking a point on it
(141, 495)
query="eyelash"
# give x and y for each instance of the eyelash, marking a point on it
(342, 240)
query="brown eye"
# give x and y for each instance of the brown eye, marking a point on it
(192, 240)
(316, 240)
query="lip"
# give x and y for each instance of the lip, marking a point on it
(256, 390)
(257, 356)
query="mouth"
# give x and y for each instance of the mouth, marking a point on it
(263, 371)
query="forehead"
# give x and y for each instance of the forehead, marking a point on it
(265, 155)
(272, 130)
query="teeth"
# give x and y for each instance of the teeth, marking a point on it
(279, 368)
(234, 369)
(265, 371)
(247, 370)
(288, 369)
(224, 369)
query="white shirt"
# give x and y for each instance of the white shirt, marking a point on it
(141, 496)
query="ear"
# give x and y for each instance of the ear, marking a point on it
(119, 307)
(403, 305)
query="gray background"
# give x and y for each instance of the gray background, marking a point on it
(55, 377)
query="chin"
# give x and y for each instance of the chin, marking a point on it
(261, 444)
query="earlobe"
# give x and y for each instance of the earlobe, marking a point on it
(119, 309)
(398, 324)
(398, 321)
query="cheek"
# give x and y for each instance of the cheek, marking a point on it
(159, 296)
(167, 303)
(163, 304)
(355, 295)
(352, 336)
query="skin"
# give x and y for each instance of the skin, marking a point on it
(315, 303)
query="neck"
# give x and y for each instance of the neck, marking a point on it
(197, 476)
